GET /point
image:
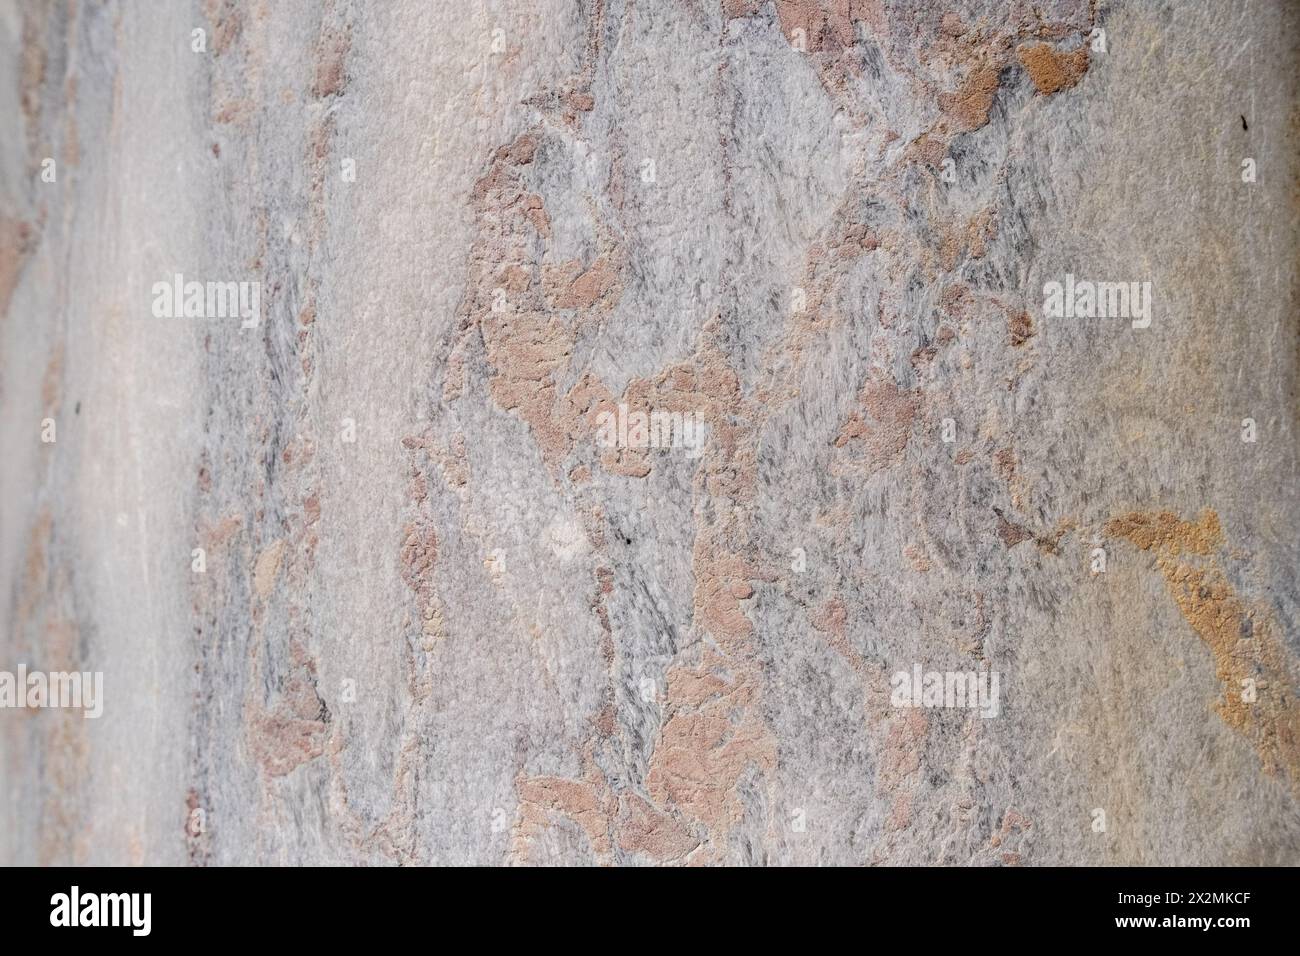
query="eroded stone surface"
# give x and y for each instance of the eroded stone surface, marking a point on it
(439, 621)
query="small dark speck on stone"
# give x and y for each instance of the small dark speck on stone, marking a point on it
(77, 410)
(1244, 124)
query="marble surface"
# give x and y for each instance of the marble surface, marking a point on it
(380, 570)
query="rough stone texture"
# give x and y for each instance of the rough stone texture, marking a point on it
(474, 634)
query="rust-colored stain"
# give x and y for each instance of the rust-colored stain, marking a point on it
(827, 27)
(16, 243)
(1165, 532)
(714, 735)
(293, 731)
(1020, 326)
(227, 24)
(1011, 533)
(1243, 640)
(267, 568)
(627, 821)
(884, 431)
(570, 286)
(1051, 70)
(968, 106)
(330, 77)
